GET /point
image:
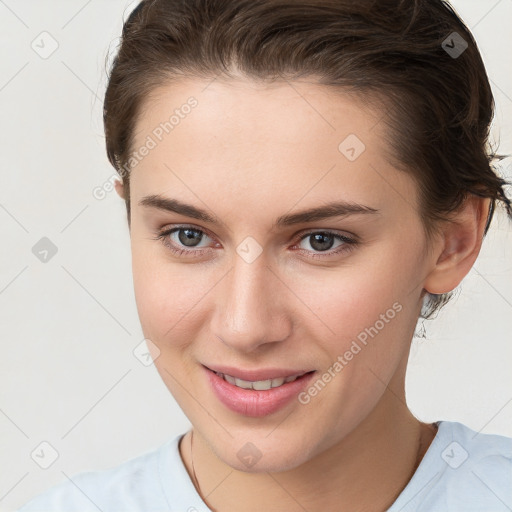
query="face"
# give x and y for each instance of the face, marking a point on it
(253, 290)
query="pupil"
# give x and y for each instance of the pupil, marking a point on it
(191, 236)
(319, 243)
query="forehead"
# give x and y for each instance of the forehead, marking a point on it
(238, 113)
(279, 141)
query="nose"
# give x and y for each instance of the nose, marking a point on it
(249, 310)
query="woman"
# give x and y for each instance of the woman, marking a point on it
(303, 180)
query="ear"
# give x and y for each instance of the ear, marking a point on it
(118, 184)
(460, 242)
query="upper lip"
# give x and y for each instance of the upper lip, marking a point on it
(255, 375)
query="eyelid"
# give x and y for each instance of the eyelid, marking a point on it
(300, 236)
(176, 227)
(162, 235)
(347, 245)
(349, 241)
(344, 234)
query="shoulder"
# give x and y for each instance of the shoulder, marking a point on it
(480, 465)
(479, 445)
(463, 470)
(132, 486)
(469, 453)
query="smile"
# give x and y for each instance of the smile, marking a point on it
(258, 385)
(261, 392)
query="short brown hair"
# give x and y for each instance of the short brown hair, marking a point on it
(438, 103)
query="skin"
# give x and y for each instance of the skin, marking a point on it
(249, 153)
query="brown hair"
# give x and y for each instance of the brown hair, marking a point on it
(432, 82)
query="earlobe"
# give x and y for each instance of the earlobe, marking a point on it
(461, 238)
(118, 184)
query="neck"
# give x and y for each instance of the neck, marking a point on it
(366, 470)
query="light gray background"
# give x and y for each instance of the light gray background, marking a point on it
(69, 326)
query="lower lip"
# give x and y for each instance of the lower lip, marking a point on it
(250, 402)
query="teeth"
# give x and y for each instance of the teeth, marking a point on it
(245, 384)
(277, 382)
(230, 379)
(259, 385)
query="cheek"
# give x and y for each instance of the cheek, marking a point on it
(365, 312)
(166, 295)
(370, 313)
(347, 300)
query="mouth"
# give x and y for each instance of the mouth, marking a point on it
(257, 393)
(259, 385)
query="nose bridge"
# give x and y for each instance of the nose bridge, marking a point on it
(247, 313)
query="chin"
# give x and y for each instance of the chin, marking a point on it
(263, 455)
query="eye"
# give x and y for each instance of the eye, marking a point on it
(323, 242)
(191, 241)
(184, 239)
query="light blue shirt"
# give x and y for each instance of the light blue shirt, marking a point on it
(462, 471)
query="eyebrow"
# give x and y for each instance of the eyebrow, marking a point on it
(326, 211)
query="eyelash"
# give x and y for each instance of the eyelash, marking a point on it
(348, 243)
